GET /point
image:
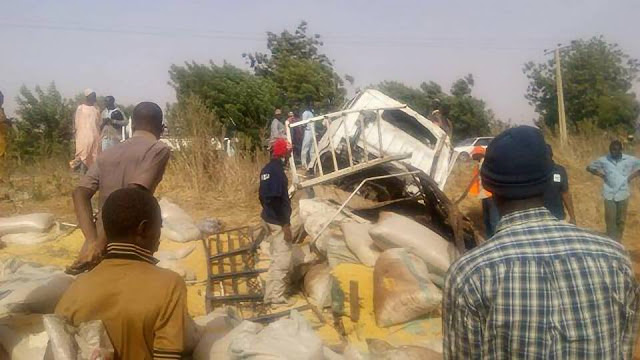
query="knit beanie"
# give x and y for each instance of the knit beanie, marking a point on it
(517, 164)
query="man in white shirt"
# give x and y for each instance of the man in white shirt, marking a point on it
(307, 142)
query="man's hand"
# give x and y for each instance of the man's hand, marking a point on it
(572, 221)
(286, 230)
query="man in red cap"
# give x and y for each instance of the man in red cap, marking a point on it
(276, 214)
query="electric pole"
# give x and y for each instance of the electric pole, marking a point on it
(562, 120)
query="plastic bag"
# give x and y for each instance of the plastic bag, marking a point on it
(291, 338)
(382, 350)
(213, 327)
(397, 231)
(213, 346)
(37, 222)
(30, 288)
(317, 285)
(359, 241)
(88, 341)
(402, 290)
(177, 225)
(209, 226)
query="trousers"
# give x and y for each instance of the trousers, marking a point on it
(306, 154)
(278, 276)
(615, 214)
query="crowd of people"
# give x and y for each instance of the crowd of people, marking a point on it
(539, 287)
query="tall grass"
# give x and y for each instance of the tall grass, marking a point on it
(200, 164)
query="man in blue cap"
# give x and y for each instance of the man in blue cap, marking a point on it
(540, 288)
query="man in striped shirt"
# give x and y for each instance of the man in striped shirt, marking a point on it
(143, 307)
(539, 288)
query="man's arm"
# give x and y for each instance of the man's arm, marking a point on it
(568, 203)
(117, 119)
(462, 328)
(596, 169)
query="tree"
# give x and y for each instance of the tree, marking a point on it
(299, 70)
(241, 100)
(46, 126)
(597, 83)
(469, 115)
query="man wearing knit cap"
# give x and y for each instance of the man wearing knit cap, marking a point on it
(540, 288)
(276, 214)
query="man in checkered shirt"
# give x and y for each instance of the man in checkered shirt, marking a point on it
(540, 288)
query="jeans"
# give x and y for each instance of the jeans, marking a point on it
(490, 216)
(615, 213)
(306, 155)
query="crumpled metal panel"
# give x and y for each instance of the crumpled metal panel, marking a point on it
(395, 141)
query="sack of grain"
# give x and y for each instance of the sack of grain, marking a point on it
(177, 225)
(37, 222)
(286, 338)
(360, 243)
(397, 231)
(317, 285)
(402, 288)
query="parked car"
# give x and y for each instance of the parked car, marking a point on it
(465, 146)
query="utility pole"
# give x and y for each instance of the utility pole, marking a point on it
(562, 120)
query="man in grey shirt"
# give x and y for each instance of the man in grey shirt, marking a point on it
(277, 128)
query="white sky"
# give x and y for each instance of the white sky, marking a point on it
(125, 48)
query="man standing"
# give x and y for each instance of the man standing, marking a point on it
(143, 307)
(138, 162)
(557, 195)
(277, 128)
(617, 170)
(307, 141)
(276, 214)
(113, 120)
(86, 124)
(540, 288)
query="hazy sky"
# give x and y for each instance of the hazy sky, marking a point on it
(125, 48)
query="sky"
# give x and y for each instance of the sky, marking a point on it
(125, 48)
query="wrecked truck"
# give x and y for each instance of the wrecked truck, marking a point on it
(382, 150)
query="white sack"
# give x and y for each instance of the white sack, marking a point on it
(337, 250)
(397, 231)
(37, 222)
(213, 327)
(88, 341)
(177, 225)
(288, 338)
(402, 290)
(360, 242)
(174, 254)
(173, 265)
(381, 350)
(27, 288)
(22, 337)
(317, 285)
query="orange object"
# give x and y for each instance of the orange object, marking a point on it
(476, 188)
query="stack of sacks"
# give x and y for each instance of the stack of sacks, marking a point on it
(27, 229)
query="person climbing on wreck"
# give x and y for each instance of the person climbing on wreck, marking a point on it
(276, 215)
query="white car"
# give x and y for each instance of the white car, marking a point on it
(465, 147)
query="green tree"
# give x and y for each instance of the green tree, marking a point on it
(241, 100)
(415, 98)
(299, 69)
(597, 82)
(45, 127)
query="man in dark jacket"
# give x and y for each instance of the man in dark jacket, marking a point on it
(276, 214)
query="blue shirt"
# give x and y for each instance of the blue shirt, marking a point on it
(307, 114)
(274, 195)
(616, 175)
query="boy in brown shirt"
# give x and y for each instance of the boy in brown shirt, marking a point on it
(143, 307)
(137, 162)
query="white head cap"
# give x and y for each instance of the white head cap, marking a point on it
(88, 92)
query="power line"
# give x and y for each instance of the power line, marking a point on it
(345, 40)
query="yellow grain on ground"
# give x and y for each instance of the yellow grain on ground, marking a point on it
(424, 332)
